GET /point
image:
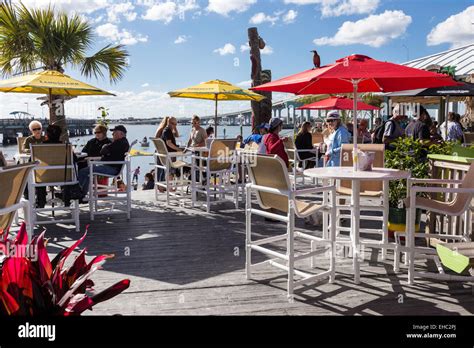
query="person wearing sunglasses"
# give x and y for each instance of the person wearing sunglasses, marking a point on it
(340, 135)
(36, 136)
(93, 146)
(100, 139)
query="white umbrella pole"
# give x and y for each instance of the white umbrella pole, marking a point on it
(446, 117)
(355, 156)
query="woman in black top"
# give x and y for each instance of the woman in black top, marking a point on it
(94, 145)
(304, 141)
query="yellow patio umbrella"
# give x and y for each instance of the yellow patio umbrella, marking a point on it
(49, 82)
(216, 90)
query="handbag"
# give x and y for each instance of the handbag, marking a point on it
(71, 192)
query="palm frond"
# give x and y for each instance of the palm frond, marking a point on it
(44, 37)
(17, 53)
(111, 58)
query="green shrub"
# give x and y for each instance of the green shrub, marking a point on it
(410, 155)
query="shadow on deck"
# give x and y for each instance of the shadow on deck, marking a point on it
(184, 261)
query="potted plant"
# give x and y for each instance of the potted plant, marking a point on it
(103, 120)
(410, 155)
(31, 284)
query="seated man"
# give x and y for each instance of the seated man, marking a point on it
(115, 151)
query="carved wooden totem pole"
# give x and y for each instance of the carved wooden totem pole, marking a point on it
(262, 111)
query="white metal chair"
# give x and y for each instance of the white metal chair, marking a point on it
(107, 199)
(374, 197)
(21, 156)
(464, 191)
(169, 162)
(55, 168)
(295, 160)
(245, 157)
(271, 182)
(216, 169)
(13, 181)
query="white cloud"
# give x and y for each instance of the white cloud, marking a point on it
(181, 39)
(267, 50)
(245, 84)
(303, 2)
(261, 17)
(224, 7)
(290, 16)
(146, 84)
(79, 6)
(348, 7)
(245, 47)
(163, 12)
(458, 30)
(124, 37)
(124, 9)
(335, 8)
(168, 10)
(227, 49)
(375, 30)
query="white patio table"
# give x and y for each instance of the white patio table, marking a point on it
(348, 173)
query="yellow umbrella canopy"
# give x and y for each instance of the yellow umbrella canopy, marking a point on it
(216, 90)
(49, 82)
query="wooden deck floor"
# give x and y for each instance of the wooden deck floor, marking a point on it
(186, 262)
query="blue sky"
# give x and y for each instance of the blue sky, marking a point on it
(175, 44)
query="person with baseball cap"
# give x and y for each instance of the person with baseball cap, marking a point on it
(340, 135)
(113, 152)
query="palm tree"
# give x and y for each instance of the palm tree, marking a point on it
(42, 39)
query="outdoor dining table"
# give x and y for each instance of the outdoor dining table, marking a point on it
(348, 173)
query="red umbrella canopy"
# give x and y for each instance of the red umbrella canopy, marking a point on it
(370, 75)
(337, 103)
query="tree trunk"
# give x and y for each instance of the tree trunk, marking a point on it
(57, 115)
(262, 111)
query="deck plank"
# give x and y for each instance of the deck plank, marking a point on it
(184, 261)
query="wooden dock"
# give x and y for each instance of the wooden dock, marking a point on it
(186, 262)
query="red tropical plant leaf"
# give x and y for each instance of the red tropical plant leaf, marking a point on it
(15, 276)
(78, 304)
(43, 263)
(8, 304)
(22, 236)
(99, 259)
(111, 291)
(37, 286)
(77, 268)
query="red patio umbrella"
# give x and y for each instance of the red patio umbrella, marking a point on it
(354, 74)
(337, 103)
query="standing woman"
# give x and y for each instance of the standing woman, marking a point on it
(304, 141)
(161, 127)
(340, 135)
(160, 174)
(198, 135)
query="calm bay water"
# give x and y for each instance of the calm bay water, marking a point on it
(137, 132)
